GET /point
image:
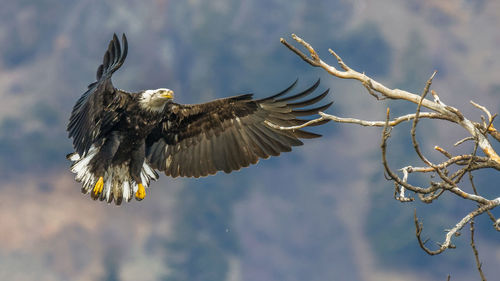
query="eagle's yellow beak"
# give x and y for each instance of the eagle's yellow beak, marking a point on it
(169, 94)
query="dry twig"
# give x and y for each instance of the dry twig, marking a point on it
(476, 253)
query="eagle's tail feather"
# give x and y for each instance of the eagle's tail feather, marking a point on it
(118, 184)
(106, 193)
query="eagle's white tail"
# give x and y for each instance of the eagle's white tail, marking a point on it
(118, 184)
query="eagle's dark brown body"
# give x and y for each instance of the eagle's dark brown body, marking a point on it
(121, 138)
(125, 143)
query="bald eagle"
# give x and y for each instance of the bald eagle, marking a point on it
(122, 139)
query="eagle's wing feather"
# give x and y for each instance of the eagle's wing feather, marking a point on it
(99, 108)
(227, 134)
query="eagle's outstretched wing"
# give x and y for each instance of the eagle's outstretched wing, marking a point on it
(227, 134)
(100, 106)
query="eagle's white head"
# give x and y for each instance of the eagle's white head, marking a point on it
(155, 100)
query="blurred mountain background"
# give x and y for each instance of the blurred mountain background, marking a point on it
(322, 212)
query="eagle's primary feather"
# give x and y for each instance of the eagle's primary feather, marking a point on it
(121, 138)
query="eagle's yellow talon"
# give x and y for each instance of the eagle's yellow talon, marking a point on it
(98, 187)
(141, 192)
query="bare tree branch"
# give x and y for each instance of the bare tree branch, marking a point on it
(450, 172)
(452, 232)
(392, 123)
(476, 253)
(348, 73)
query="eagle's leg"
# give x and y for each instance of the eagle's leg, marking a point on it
(137, 160)
(102, 161)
